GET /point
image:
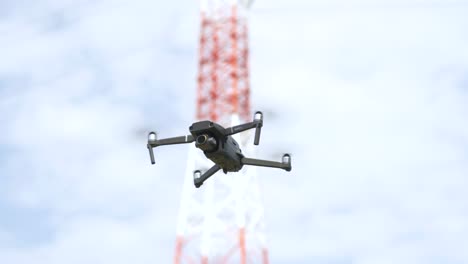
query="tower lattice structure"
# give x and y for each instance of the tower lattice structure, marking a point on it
(222, 222)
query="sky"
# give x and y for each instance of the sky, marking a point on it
(368, 96)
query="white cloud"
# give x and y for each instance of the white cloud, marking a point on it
(377, 119)
(371, 102)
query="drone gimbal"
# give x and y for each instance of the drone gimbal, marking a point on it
(217, 144)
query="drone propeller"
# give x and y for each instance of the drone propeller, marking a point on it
(198, 178)
(152, 137)
(258, 117)
(287, 161)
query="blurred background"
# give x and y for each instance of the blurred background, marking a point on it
(369, 97)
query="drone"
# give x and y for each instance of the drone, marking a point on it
(219, 146)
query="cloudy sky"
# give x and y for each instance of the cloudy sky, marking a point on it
(369, 96)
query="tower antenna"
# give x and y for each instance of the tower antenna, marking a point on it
(224, 221)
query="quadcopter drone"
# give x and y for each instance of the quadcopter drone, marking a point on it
(217, 144)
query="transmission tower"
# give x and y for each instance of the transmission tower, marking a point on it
(222, 222)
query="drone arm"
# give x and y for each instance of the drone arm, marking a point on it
(285, 164)
(257, 123)
(198, 179)
(171, 141)
(240, 128)
(154, 142)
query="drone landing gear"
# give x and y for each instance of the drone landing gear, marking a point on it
(285, 164)
(198, 178)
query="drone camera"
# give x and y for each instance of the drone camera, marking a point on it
(206, 143)
(201, 139)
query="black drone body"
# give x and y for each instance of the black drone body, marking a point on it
(220, 147)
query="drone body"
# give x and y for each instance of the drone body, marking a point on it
(222, 150)
(220, 147)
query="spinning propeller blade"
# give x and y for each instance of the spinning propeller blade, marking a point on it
(258, 117)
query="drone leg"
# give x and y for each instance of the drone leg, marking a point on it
(151, 153)
(198, 179)
(285, 164)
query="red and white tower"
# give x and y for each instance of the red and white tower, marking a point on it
(222, 222)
